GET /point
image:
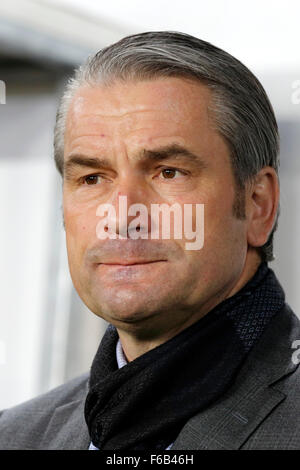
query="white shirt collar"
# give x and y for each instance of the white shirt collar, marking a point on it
(121, 359)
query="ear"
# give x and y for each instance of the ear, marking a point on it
(261, 206)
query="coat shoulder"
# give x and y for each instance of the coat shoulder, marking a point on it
(26, 423)
(280, 430)
(260, 410)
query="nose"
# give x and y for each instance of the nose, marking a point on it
(131, 216)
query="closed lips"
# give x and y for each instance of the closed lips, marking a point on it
(130, 263)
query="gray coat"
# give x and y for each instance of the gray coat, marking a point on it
(259, 411)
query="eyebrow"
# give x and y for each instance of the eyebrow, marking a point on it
(84, 161)
(172, 151)
(144, 157)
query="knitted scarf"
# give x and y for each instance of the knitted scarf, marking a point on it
(145, 404)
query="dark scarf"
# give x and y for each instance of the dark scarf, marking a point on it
(145, 404)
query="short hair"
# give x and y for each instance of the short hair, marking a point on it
(242, 112)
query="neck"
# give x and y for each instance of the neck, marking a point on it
(134, 345)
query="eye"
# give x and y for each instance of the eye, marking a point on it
(91, 179)
(170, 173)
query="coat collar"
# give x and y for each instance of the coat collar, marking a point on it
(229, 422)
(67, 429)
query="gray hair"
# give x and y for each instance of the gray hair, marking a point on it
(242, 112)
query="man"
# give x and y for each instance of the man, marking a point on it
(199, 350)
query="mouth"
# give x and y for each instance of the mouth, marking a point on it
(132, 263)
(133, 271)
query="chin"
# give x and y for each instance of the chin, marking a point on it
(125, 311)
(133, 322)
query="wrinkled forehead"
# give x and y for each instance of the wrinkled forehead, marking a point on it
(144, 109)
(178, 97)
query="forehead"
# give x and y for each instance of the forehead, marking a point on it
(176, 99)
(131, 116)
(128, 118)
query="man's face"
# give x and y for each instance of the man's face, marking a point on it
(131, 128)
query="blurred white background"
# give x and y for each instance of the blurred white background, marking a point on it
(47, 335)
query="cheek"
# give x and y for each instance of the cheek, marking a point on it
(221, 227)
(80, 227)
(219, 203)
(79, 218)
(225, 236)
